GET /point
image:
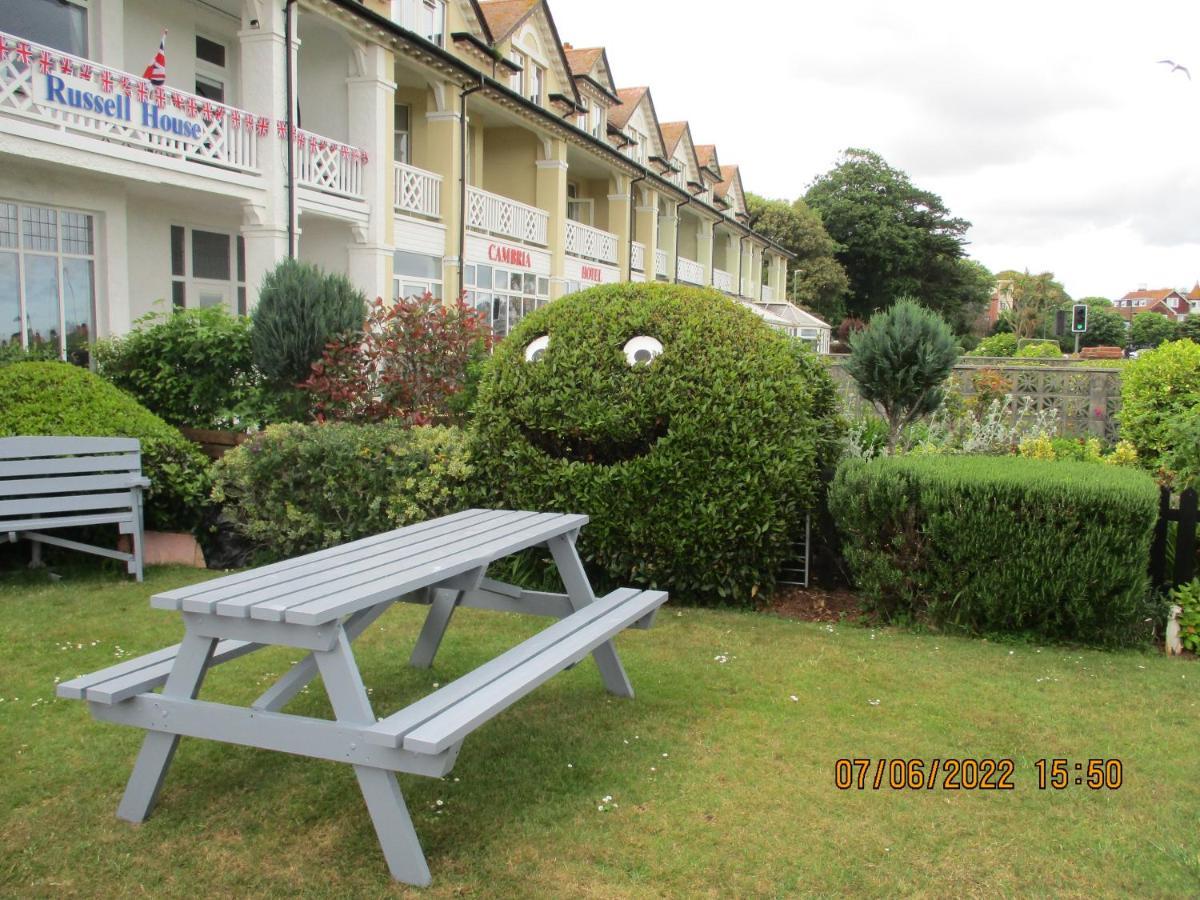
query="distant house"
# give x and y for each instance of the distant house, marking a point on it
(999, 303)
(1164, 301)
(1193, 299)
(795, 321)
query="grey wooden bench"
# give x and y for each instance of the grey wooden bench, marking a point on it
(322, 602)
(65, 482)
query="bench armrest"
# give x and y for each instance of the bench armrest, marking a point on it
(139, 481)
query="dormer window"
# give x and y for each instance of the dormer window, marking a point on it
(637, 149)
(536, 83)
(425, 17)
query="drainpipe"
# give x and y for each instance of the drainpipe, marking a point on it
(462, 185)
(633, 223)
(678, 207)
(290, 89)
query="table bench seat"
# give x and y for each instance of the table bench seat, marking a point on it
(446, 716)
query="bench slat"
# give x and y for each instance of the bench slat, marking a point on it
(459, 720)
(328, 579)
(70, 465)
(399, 582)
(313, 575)
(56, 445)
(74, 689)
(78, 502)
(332, 555)
(67, 484)
(17, 525)
(392, 729)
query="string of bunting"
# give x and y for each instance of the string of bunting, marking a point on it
(47, 63)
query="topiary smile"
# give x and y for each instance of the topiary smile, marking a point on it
(607, 451)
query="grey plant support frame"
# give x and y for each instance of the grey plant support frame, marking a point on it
(320, 603)
(64, 482)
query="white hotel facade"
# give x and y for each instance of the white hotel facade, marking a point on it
(439, 145)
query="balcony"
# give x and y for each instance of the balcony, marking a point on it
(418, 192)
(690, 271)
(660, 264)
(329, 166)
(591, 243)
(75, 95)
(502, 217)
(723, 281)
(637, 257)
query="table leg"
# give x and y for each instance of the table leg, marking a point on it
(380, 790)
(434, 629)
(580, 593)
(158, 748)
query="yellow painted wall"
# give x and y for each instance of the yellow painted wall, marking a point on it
(416, 99)
(597, 190)
(508, 166)
(688, 230)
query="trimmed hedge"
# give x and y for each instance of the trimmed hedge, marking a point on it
(295, 488)
(55, 398)
(1159, 389)
(991, 544)
(696, 468)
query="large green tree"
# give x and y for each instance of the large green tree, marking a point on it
(816, 279)
(1035, 298)
(1152, 328)
(893, 237)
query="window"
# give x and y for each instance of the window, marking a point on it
(537, 82)
(579, 209)
(598, 122)
(61, 24)
(582, 120)
(208, 268)
(425, 17)
(637, 150)
(402, 136)
(415, 275)
(47, 279)
(211, 75)
(504, 296)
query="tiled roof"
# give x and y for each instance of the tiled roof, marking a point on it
(1194, 294)
(1156, 306)
(706, 153)
(1149, 295)
(582, 61)
(672, 132)
(728, 174)
(630, 98)
(502, 16)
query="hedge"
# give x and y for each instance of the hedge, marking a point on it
(55, 398)
(296, 488)
(986, 544)
(696, 466)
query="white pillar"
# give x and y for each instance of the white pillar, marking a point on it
(371, 98)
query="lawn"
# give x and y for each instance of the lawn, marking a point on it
(720, 772)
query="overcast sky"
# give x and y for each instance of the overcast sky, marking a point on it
(1047, 124)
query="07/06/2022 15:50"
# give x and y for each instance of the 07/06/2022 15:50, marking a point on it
(987, 774)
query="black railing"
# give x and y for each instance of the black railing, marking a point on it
(1183, 514)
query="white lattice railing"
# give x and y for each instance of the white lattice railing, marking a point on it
(77, 95)
(723, 281)
(660, 263)
(591, 243)
(329, 166)
(418, 192)
(690, 271)
(637, 257)
(498, 215)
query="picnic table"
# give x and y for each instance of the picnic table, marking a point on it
(320, 603)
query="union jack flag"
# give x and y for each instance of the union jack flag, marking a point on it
(364, 157)
(177, 99)
(24, 53)
(46, 62)
(156, 72)
(160, 97)
(206, 110)
(345, 150)
(143, 91)
(263, 126)
(219, 112)
(191, 107)
(64, 66)
(106, 81)
(235, 119)
(280, 127)
(3, 47)
(126, 86)
(85, 72)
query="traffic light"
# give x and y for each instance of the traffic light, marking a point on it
(1079, 323)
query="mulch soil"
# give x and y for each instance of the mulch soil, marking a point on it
(814, 604)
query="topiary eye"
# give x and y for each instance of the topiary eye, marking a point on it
(642, 350)
(537, 348)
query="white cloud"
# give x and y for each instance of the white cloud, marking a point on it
(1047, 125)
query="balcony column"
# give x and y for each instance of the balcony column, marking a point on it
(552, 197)
(704, 250)
(107, 41)
(668, 236)
(619, 206)
(781, 277)
(756, 272)
(744, 269)
(264, 221)
(646, 230)
(370, 95)
(443, 154)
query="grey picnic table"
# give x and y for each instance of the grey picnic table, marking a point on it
(320, 603)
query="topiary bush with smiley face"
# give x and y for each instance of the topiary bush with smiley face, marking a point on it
(691, 433)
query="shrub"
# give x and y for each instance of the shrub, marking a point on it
(1038, 350)
(696, 466)
(1158, 389)
(1055, 549)
(1189, 328)
(409, 359)
(849, 325)
(52, 398)
(13, 352)
(295, 488)
(300, 310)
(1181, 460)
(189, 367)
(900, 362)
(1001, 344)
(1187, 597)
(1152, 329)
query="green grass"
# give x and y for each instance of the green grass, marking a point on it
(722, 785)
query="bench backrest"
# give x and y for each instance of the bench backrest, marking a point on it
(49, 478)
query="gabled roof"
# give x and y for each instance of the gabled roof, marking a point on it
(792, 314)
(672, 132)
(1154, 306)
(630, 99)
(730, 176)
(707, 154)
(590, 64)
(1194, 293)
(1160, 294)
(501, 17)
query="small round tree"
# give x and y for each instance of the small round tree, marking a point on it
(1152, 328)
(300, 309)
(900, 361)
(1189, 328)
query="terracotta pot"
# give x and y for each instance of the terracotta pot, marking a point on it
(168, 548)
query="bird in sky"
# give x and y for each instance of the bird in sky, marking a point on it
(1176, 67)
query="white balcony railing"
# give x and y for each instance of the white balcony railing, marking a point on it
(723, 281)
(637, 257)
(501, 216)
(591, 243)
(77, 95)
(329, 166)
(418, 192)
(660, 264)
(690, 271)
